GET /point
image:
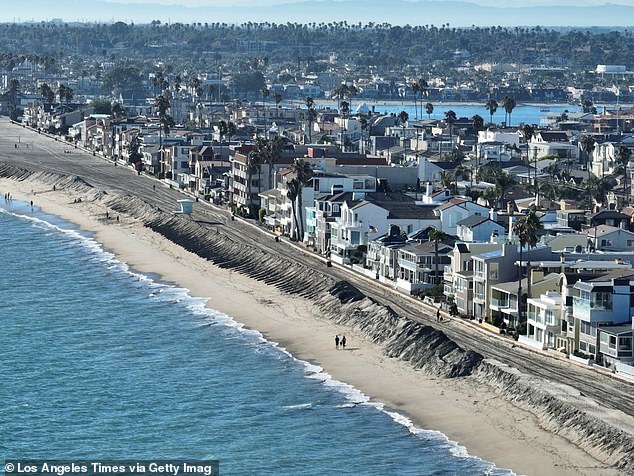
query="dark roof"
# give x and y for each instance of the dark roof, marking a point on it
(427, 247)
(607, 214)
(554, 136)
(445, 164)
(472, 221)
(408, 210)
(380, 198)
(462, 247)
(371, 161)
(339, 197)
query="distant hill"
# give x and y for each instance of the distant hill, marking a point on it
(395, 12)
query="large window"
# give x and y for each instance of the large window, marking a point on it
(587, 329)
(602, 300)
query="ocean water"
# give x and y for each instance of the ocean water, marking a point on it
(101, 362)
(523, 113)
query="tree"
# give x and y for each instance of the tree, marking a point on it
(429, 109)
(101, 106)
(311, 115)
(47, 93)
(528, 132)
(134, 153)
(623, 158)
(450, 118)
(303, 172)
(509, 104)
(437, 236)
(526, 229)
(278, 98)
(503, 182)
(162, 104)
(254, 164)
(292, 190)
(402, 118)
(65, 93)
(587, 145)
(478, 122)
(415, 90)
(266, 92)
(423, 90)
(491, 106)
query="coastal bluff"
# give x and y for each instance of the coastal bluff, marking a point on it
(606, 434)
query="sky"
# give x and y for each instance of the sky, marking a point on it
(498, 3)
(462, 13)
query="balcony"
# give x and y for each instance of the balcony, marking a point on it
(591, 311)
(500, 303)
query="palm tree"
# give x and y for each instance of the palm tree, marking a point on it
(415, 89)
(450, 118)
(223, 129)
(528, 132)
(311, 115)
(423, 90)
(292, 191)
(278, 98)
(254, 164)
(623, 159)
(402, 118)
(429, 109)
(509, 104)
(266, 92)
(437, 236)
(163, 105)
(587, 145)
(491, 106)
(303, 172)
(478, 122)
(526, 230)
(503, 182)
(47, 93)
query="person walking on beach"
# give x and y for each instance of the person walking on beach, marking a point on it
(343, 342)
(337, 341)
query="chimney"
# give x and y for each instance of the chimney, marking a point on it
(493, 214)
(429, 189)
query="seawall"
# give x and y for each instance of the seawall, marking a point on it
(560, 409)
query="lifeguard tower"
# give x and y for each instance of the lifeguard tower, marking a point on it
(186, 207)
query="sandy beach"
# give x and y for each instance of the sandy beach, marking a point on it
(467, 412)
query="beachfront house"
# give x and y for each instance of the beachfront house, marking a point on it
(368, 216)
(602, 301)
(458, 275)
(421, 265)
(382, 255)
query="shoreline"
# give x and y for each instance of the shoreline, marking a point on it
(459, 408)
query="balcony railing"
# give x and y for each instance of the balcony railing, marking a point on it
(586, 305)
(504, 302)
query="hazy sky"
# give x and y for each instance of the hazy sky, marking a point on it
(498, 3)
